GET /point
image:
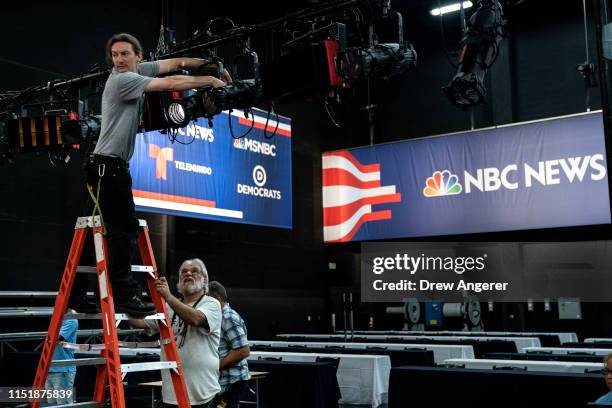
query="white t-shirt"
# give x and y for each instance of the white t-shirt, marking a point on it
(199, 353)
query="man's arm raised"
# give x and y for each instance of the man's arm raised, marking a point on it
(182, 83)
(174, 64)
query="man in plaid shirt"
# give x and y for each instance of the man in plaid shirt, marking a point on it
(233, 350)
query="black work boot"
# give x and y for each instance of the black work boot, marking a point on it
(135, 307)
(82, 304)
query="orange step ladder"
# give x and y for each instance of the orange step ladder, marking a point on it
(109, 364)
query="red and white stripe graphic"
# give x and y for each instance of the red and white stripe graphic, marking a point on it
(260, 122)
(349, 191)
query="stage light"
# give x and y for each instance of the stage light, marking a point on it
(480, 47)
(450, 8)
(382, 60)
(165, 112)
(77, 130)
(175, 113)
(237, 95)
(49, 132)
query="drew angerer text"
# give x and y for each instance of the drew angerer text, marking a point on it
(425, 285)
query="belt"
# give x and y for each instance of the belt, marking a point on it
(108, 160)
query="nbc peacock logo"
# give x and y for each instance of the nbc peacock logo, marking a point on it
(442, 183)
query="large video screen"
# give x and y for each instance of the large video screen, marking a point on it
(209, 173)
(549, 173)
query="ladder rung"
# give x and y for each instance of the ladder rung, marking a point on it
(78, 362)
(154, 345)
(154, 365)
(118, 316)
(88, 404)
(82, 347)
(156, 316)
(142, 268)
(135, 268)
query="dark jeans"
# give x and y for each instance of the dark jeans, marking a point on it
(234, 393)
(120, 222)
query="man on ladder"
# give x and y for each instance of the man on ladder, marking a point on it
(116, 229)
(107, 169)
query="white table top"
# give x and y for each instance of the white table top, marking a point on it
(363, 379)
(566, 337)
(441, 351)
(555, 366)
(596, 339)
(520, 342)
(564, 350)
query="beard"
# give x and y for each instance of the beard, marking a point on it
(190, 288)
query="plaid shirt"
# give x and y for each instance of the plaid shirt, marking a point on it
(233, 336)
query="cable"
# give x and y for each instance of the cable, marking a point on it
(51, 158)
(270, 110)
(446, 53)
(96, 198)
(173, 136)
(231, 128)
(330, 113)
(214, 20)
(22, 65)
(359, 20)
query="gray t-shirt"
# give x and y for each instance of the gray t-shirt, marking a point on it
(122, 104)
(199, 353)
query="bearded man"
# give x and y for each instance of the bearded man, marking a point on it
(196, 323)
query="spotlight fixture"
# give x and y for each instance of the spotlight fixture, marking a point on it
(178, 112)
(480, 47)
(381, 60)
(49, 132)
(166, 112)
(237, 95)
(175, 113)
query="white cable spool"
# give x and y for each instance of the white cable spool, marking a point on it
(452, 310)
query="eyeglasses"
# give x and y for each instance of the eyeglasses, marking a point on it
(606, 371)
(193, 272)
